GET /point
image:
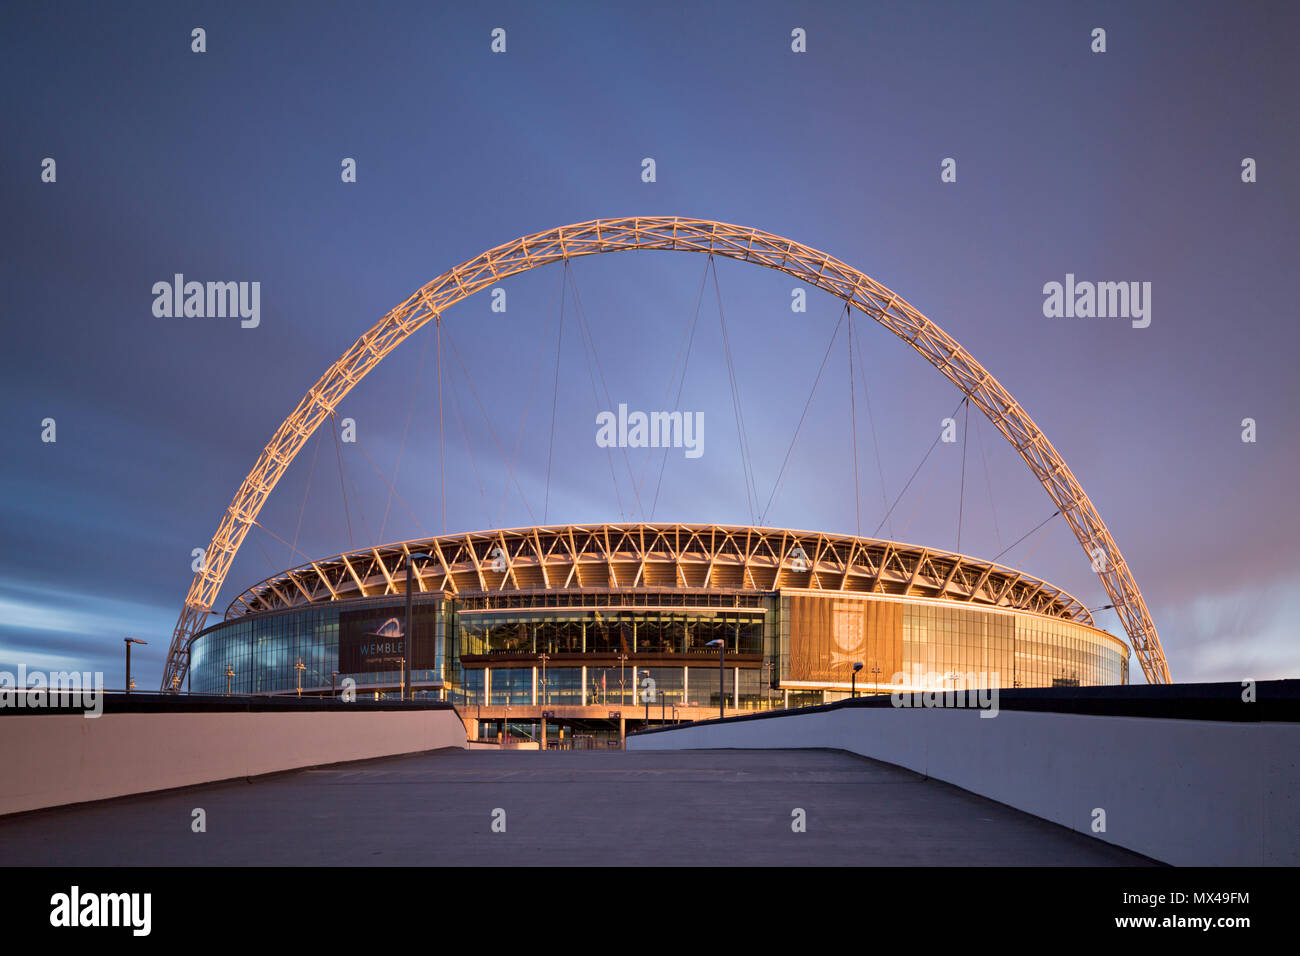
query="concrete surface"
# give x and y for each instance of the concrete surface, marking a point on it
(55, 759)
(592, 808)
(1186, 792)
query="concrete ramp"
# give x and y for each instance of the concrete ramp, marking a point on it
(141, 744)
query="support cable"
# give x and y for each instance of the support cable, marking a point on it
(555, 400)
(780, 475)
(306, 558)
(853, 424)
(401, 449)
(988, 484)
(742, 436)
(491, 431)
(528, 404)
(688, 341)
(1041, 538)
(301, 511)
(1025, 535)
(262, 548)
(392, 490)
(469, 449)
(961, 494)
(338, 449)
(929, 478)
(593, 359)
(937, 438)
(880, 467)
(442, 441)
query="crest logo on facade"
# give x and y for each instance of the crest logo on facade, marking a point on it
(847, 632)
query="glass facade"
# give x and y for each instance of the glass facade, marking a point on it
(620, 631)
(489, 650)
(945, 645)
(264, 651)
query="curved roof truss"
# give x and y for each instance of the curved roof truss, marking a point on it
(657, 556)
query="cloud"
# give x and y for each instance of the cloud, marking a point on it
(55, 628)
(1247, 632)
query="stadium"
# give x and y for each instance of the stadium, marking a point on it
(589, 627)
(591, 630)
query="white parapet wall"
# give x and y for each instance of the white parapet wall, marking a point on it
(56, 759)
(1185, 792)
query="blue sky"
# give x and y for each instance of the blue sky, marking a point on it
(1122, 166)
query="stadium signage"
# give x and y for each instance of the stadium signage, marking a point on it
(372, 640)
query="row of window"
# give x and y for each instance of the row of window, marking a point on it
(660, 687)
(279, 652)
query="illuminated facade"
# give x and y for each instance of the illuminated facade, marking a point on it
(591, 622)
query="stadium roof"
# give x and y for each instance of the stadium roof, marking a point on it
(659, 556)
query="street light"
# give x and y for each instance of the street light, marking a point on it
(622, 687)
(875, 673)
(721, 645)
(129, 641)
(853, 681)
(230, 673)
(300, 667)
(544, 658)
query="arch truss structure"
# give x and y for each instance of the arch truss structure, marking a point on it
(671, 234)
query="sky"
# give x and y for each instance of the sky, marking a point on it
(226, 165)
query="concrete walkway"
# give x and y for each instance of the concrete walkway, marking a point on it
(730, 807)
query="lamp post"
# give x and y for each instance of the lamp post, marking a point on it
(230, 673)
(129, 641)
(875, 673)
(300, 667)
(853, 681)
(401, 677)
(622, 672)
(544, 658)
(721, 645)
(408, 633)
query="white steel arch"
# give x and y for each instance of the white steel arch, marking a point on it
(678, 235)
